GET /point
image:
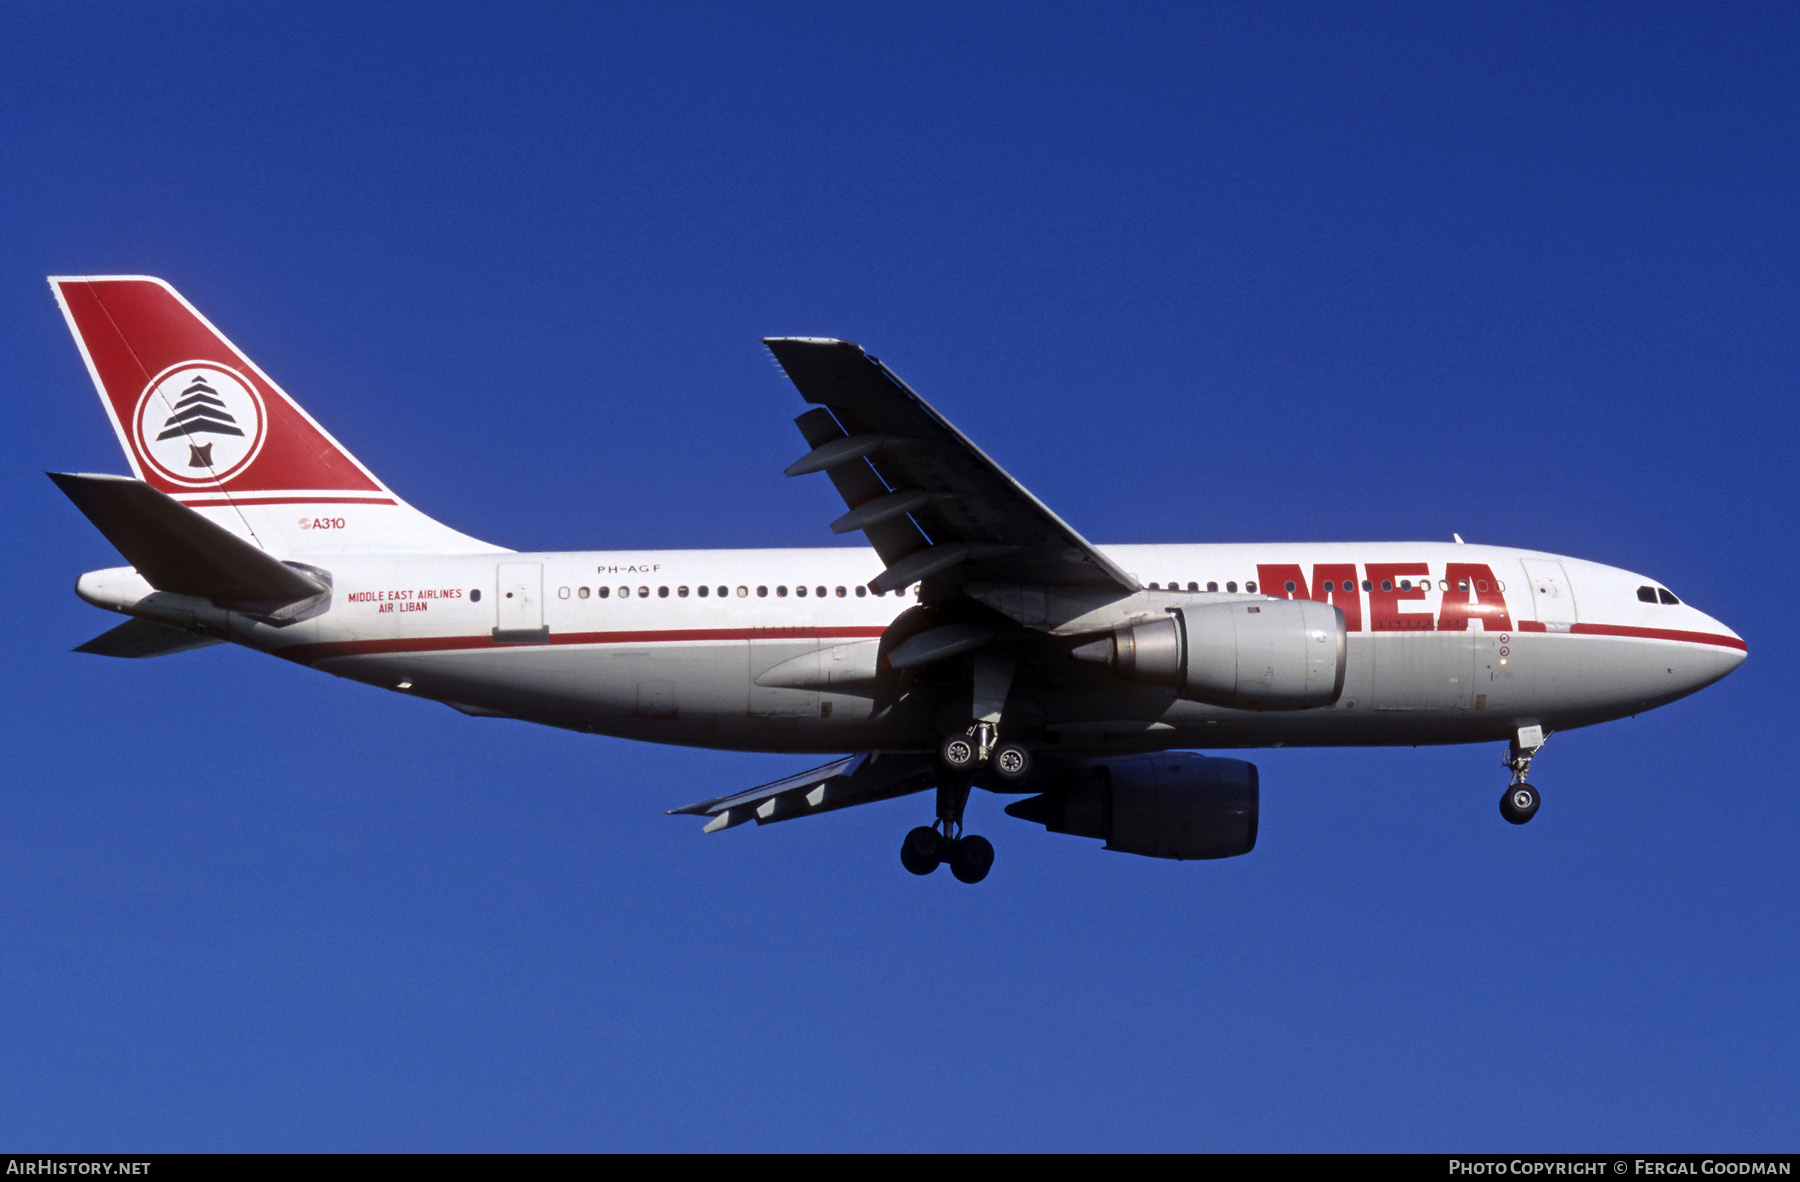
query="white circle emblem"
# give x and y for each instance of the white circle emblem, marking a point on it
(199, 423)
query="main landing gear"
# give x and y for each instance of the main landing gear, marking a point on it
(1520, 802)
(930, 846)
(965, 754)
(961, 758)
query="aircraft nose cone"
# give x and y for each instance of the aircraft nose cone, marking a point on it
(1718, 659)
(1737, 653)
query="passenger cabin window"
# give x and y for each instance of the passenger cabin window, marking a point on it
(703, 589)
(681, 592)
(1231, 587)
(1387, 584)
(1288, 586)
(762, 592)
(1668, 596)
(662, 592)
(562, 592)
(582, 592)
(475, 595)
(800, 591)
(861, 591)
(1647, 594)
(1250, 587)
(603, 592)
(1194, 587)
(1212, 586)
(643, 592)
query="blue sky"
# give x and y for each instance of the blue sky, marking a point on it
(1191, 273)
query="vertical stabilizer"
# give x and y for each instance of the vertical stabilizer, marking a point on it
(201, 422)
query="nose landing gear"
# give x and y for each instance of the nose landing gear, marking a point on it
(1520, 802)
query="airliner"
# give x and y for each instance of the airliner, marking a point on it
(977, 641)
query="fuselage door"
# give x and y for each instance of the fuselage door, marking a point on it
(519, 604)
(1550, 591)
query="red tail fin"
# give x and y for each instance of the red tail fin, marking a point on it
(199, 421)
(196, 416)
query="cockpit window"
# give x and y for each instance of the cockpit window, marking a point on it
(1667, 596)
(1647, 594)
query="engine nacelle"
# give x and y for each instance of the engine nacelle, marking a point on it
(1174, 805)
(1276, 654)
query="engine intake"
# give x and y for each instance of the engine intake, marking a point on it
(1173, 805)
(1277, 654)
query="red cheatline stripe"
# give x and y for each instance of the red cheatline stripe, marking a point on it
(1660, 634)
(214, 499)
(308, 653)
(1637, 633)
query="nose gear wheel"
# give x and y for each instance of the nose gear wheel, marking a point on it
(1520, 802)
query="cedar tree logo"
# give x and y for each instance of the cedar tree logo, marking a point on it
(199, 423)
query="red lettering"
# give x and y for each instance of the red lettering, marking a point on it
(1275, 576)
(1343, 594)
(1474, 595)
(1384, 605)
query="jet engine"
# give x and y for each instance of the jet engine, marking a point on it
(1173, 805)
(1276, 654)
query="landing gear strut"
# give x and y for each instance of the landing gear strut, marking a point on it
(930, 846)
(1520, 802)
(961, 758)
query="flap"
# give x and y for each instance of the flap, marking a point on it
(855, 779)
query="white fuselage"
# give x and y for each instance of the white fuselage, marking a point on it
(777, 650)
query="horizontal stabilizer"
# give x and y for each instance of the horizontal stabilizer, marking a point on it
(145, 638)
(180, 551)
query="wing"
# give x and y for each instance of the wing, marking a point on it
(855, 779)
(930, 502)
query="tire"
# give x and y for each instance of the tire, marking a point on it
(1010, 762)
(922, 851)
(1520, 803)
(959, 754)
(971, 859)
